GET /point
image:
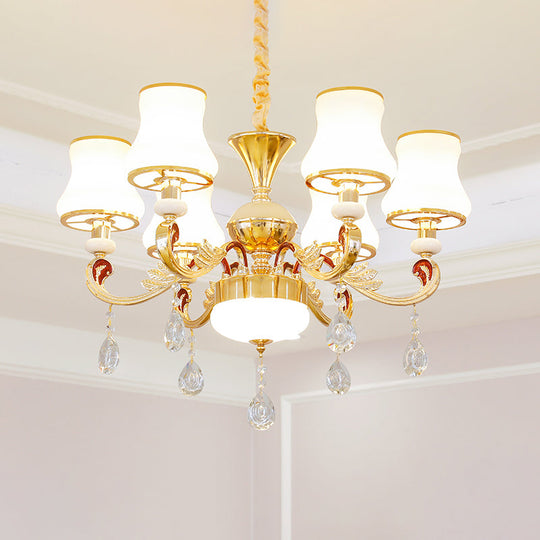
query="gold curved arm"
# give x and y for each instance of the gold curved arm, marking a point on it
(425, 270)
(204, 260)
(99, 270)
(185, 299)
(315, 304)
(311, 258)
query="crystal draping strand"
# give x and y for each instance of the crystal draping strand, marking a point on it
(341, 338)
(261, 94)
(191, 379)
(415, 358)
(175, 331)
(261, 412)
(109, 353)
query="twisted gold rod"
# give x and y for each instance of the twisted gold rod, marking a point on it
(261, 94)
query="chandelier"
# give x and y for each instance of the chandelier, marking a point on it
(263, 294)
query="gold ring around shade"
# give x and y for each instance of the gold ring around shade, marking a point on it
(439, 131)
(88, 216)
(87, 137)
(402, 220)
(206, 179)
(261, 286)
(156, 85)
(333, 185)
(338, 88)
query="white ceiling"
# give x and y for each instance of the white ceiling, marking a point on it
(469, 67)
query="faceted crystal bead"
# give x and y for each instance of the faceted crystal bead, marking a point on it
(175, 332)
(341, 336)
(415, 359)
(109, 356)
(261, 412)
(191, 380)
(338, 379)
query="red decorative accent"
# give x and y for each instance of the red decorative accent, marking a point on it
(239, 248)
(175, 236)
(423, 270)
(285, 245)
(101, 270)
(234, 266)
(226, 266)
(296, 268)
(341, 236)
(191, 264)
(328, 261)
(183, 295)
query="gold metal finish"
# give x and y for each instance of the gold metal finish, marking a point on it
(311, 260)
(315, 305)
(85, 219)
(330, 181)
(262, 152)
(261, 286)
(100, 137)
(451, 133)
(155, 85)
(424, 292)
(338, 88)
(191, 179)
(410, 220)
(260, 345)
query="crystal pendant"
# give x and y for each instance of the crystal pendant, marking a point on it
(191, 380)
(109, 356)
(338, 379)
(175, 331)
(341, 336)
(415, 359)
(261, 412)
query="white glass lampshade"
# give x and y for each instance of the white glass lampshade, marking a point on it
(246, 319)
(323, 228)
(170, 140)
(348, 145)
(98, 187)
(198, 224)
(427, 184)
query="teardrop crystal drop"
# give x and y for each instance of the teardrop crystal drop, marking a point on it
(415, 359)
(338, 379)
(109, 356)
(191, 380)
(175, 332)
(341, 335)
(261, 412)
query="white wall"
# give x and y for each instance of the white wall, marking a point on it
(81, 463)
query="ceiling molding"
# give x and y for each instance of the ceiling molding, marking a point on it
(517, 259)
(222, 149)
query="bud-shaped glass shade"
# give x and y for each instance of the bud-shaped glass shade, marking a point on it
(197, 225)
(170, 141)
(98, 187)
(348, 145)
(427, 185)
(322, 227)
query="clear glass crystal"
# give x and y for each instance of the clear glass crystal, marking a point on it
(191, 380)
(109, 356)
(415, 359)
(261, 412)
(341, 336)
(175, 332)
(338, 379)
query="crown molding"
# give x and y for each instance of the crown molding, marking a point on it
(23, 228)
(222, 149)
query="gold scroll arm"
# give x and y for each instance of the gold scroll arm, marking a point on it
(205, 259)
(426, 270)
(311, 259)
(315, 304)
(99, 270)
(185, 299)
